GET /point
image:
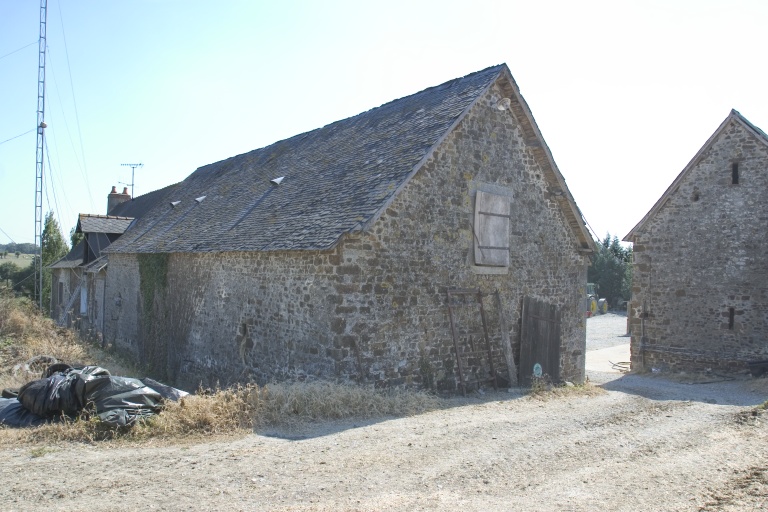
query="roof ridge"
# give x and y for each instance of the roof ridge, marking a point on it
(732, 115)
(749, 124)
(102, 216)
(299, 136)
(337, 178)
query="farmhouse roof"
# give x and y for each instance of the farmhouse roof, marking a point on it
(733, 117)
(88, 223)
(73, 259)
(140, 205)
(306, 192)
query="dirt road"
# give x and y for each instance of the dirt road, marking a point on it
(646, 444)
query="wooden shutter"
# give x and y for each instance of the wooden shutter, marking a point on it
(491, 230)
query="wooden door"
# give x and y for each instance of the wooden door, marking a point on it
(540, 341)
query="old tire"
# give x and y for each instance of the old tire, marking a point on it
(592, 306)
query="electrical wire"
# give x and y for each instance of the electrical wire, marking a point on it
(9, 236)
(66, 125)
(74, 102)
(14, 51)
(50, 181)
(61, 185)
(16, 137)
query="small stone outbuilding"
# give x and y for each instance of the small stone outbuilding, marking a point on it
(78, 278)
(700, 281)
(330, 254)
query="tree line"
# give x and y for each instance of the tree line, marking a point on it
(611, 270)
(22, 279)
(14, 248)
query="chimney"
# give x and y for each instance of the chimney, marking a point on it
(114, 199)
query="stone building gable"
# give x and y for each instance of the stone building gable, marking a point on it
(700, 284)
(427, 230)
(369, 307)
(373, 309)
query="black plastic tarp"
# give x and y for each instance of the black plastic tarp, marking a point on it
(118, 401)
(14, 414)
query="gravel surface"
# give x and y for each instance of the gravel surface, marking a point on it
(645, 444)
(608, 330)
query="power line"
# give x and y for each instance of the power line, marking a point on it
(14, 51)
(66, 123)
(74, 103)
(50, 183)
(61, 186)
(9, 236)
(16, 137)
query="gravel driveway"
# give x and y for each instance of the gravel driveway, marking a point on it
(645, 444)
(605, 331)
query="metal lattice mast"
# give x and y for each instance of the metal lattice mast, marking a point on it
(39, 166)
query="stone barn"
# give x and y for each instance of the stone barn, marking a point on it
(700, 282)
(331, 254)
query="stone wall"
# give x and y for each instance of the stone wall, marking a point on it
(69, 280)
(373, 310)
(700, 284)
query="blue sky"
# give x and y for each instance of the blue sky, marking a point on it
(625, 92)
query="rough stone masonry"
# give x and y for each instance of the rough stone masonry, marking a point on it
(700, 282)
(373, 308)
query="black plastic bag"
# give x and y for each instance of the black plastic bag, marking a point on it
(118, 401)
(13, 414)
(51, 396)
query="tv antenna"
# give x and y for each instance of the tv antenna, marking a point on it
(133, 170)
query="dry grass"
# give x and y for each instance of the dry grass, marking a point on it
(542, 389)
(238, 411)
(24, 334)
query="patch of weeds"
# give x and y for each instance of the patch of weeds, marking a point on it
(752, 416)
(39, 451)
(540, 385)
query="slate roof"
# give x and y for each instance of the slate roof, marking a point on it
(73, 259)
(97, 242)
(336, 179)
(140, 205)
(100, 226)
(734, 116)
(96, 265)
(88, 223)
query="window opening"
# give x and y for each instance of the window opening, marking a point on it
(731, 317)
(491, 230)
(735, 173)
